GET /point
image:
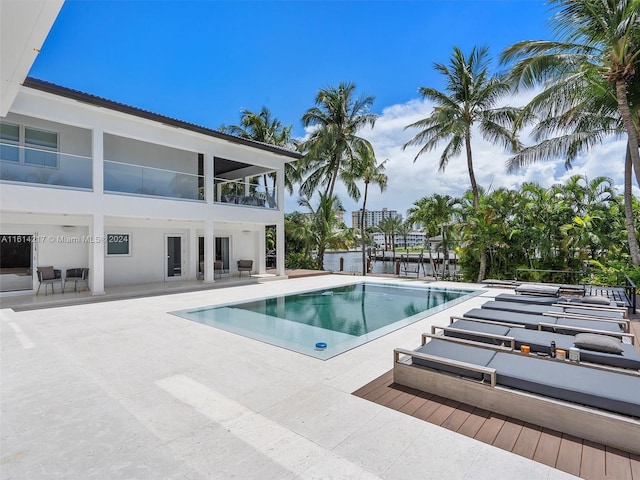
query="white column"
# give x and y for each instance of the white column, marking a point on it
(96, 229)
(262, 250)
(209, 251)
(208, 178)
(192, 267)
(280, 224)
(96, 254)
(97, 153)
(280, 247)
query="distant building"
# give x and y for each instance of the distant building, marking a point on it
(414, 240)
(372, 217)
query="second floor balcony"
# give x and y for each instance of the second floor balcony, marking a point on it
(44, 167)
(245, 192)
(142, 180)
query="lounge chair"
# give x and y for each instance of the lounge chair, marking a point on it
(245, 266)
(49, 276)
(584, 301)
(564, 324)
(588, 402)
(573, 310)
(540, 341)
(538, 289)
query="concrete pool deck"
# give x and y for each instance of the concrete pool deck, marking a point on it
(123, 389)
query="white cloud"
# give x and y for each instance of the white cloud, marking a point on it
(409, 181)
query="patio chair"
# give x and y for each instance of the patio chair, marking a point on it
(218, 268)
(76, 275)
(48, 276)
(245, 266)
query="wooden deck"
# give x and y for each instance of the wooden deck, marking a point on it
(579, 457)
(570, 454)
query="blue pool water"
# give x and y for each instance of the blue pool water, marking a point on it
(327, 322)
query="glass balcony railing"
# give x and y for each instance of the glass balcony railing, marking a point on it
(237, 192)
(44, 167)
(140, 180)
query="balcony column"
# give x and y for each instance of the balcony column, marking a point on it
(192, 267)
(96, 229)
(209, 251)
(280, 248)
(280, 225)
(262, 250)
(209, 172)
(280, 188)
(96, 254)
(97, 162)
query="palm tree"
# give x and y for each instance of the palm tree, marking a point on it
(331, 148)
(469, 99)
(264, 127)
(435, 213)
(326, 229)
(367, 169)
(589, 77)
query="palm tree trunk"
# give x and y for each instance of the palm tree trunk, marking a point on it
(483, 266)
(628, 211)
(632, 133)
(332, 182)
(472, 176)
(364, 206)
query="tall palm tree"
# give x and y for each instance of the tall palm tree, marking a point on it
(591, 90)
(367, 169)
(470, 98)
(331, 147)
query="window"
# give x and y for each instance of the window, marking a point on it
(40, 141)
(9, 139)
(119, 244)
(41, 146)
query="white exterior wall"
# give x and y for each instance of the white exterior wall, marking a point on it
(102, 133)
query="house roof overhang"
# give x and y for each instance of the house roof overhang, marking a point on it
(95, 100)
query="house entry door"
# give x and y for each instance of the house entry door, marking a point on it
(175, 255)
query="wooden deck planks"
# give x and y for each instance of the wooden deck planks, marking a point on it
(634, 460)
(593, 461)
(508, 435)
(570, 455)
(573, 455)
(617, 464)
(548, 447)
(527, 440)
(490, 428)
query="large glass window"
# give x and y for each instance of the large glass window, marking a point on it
(9, 139)
(41, 145)
(40, 141)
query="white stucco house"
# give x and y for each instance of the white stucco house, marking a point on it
(133, 196)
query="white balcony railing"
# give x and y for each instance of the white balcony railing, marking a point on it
(44, 167)
(140, 180)
(237, 192)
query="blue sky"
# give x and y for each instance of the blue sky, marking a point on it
(204, 61)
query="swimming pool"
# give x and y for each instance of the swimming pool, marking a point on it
(340, 318)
